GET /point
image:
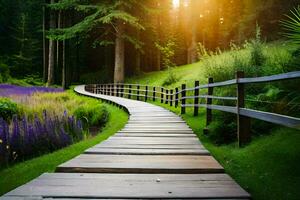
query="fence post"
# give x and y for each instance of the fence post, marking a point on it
(196, 99)
(129, 92)
(171, 97)
(167, 97)
(117, 89)
(243, 122)
(122, 90)
(138, 92)
(183, 94)
(176, 97)
(210, 91)
(162, 95)
(111, 90)
(154, 94)
(104, 89)
(146, 93)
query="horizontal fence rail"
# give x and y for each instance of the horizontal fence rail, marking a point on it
(191, 98)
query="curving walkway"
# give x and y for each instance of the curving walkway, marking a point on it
(155, 156)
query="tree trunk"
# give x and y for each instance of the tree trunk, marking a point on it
(138, 62)
(119, 53)
(193, 47)
(50, 79)
(64, 70)
(63, 79)
(45, 46)
(58, 43)
(158, 58)
(138, 57)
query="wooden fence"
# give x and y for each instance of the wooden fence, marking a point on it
(191, 98)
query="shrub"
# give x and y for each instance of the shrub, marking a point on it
(101, 76)
(223, 129)
(292, 25)
(92, 115)
(4, 73)
(7, 108)
(256, 48)
(171, 79)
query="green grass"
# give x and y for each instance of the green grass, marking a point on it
(223, 66)
(268, 167)
(21, 173)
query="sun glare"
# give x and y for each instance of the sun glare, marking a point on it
(176, 3)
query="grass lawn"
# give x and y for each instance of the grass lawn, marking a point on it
(23, 172)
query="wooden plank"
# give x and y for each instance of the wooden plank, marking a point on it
(286, 76)
(150, 146)
(154, 122)
(284, 120)
(218, 84)
(156, 131)
(93, 163)
(151, 140)
(154, 135)
(132, 186)
(147, 125)
(149, 151)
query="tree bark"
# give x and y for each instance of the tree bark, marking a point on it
(119, 53)
(138, 57)
(50, 79)
(193, 47)
(192, 51)
(64, 70)
(45, 46)
(58, 43)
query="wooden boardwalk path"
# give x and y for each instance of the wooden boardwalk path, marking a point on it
(155, 156)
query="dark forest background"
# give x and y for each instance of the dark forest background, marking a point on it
(216, 24)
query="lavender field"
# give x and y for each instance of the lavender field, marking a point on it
(39, 120)
(7, 90)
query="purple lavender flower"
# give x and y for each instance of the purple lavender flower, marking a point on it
(7, 90)
(35, 137)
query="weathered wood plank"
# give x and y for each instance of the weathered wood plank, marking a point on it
(156, 131)
(150, 146)
(155, 135)
(128, 186)
(149, 151)
(93, 163)
(150, 141)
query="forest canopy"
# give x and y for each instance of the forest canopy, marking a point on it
(72, 41)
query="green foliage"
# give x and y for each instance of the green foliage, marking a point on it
(202, 52)
(223, 129)
(292, 25)
(93, 115)
(101, 76)
(256, 49)
(95, 14)
(8, 108)
(4, 73)
(171, 78)
(167, 52)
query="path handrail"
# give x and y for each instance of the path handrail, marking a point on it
(179, 97)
